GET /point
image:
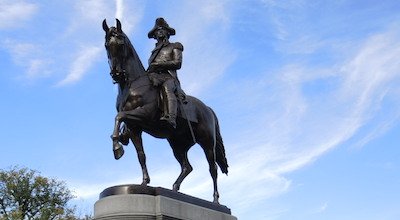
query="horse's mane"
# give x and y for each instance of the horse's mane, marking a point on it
(138, 66)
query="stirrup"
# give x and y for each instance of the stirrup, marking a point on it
(170, 120)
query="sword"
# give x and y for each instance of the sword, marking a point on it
(187, 119)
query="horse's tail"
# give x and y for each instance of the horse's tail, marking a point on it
(219, 147)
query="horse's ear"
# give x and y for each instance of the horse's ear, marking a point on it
(119, 28)
(105, 26)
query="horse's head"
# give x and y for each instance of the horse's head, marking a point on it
(117, 51)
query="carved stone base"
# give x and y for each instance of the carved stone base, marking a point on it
(131, 202)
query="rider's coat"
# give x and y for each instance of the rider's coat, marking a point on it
(168, 56)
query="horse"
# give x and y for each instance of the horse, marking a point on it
(138, 107)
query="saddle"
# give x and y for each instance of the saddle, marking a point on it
(185, 107)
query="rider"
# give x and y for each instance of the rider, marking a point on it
(165, 59)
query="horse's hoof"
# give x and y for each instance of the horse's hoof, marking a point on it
(146, 180)
(175, 188)
(216, 198)
(114, 137)
(123, 139)
(118, 151)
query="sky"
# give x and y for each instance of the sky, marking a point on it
(306, 93)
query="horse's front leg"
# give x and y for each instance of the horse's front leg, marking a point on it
(117, 147)
(137, 141)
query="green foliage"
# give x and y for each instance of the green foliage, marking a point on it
(24, 194)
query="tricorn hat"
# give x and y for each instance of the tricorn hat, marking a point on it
(160, 23)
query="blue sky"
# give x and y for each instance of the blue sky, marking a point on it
(306, 93)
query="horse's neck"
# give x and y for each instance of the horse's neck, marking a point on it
(134, 72)
(134, 68)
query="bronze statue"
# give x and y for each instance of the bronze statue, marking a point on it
(139, 104)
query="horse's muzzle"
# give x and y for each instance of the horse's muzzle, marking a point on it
(117, 76)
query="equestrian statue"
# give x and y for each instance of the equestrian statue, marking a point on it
(152, 101)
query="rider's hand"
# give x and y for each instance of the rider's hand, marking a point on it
(155, 65)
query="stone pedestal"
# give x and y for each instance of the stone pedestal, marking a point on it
(131, 202)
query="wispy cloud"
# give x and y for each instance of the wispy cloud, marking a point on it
(90, 53)
(129, 13)
(18, 51)
(303, 127)
(322, 208)
(15, 13)
(87, 48)
(41, 59)
(85, 59)
(37, 68)
(282, 15)
(82, 33)
(204, 34)
(119, 12)
(27, 56)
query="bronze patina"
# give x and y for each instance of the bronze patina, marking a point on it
(152, 101)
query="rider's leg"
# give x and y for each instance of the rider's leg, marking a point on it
(180, 94)
(169, 91)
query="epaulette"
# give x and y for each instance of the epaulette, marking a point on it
(178, 46)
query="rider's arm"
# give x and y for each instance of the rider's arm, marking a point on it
(176, 61)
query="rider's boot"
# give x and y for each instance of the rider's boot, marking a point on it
(172, 110)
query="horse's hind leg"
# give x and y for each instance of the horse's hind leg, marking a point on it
(210, 155)
(180, 152)
(207, 140)
(137, 141)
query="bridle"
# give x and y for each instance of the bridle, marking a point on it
(116, 57)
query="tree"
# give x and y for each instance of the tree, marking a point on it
(25, 194)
